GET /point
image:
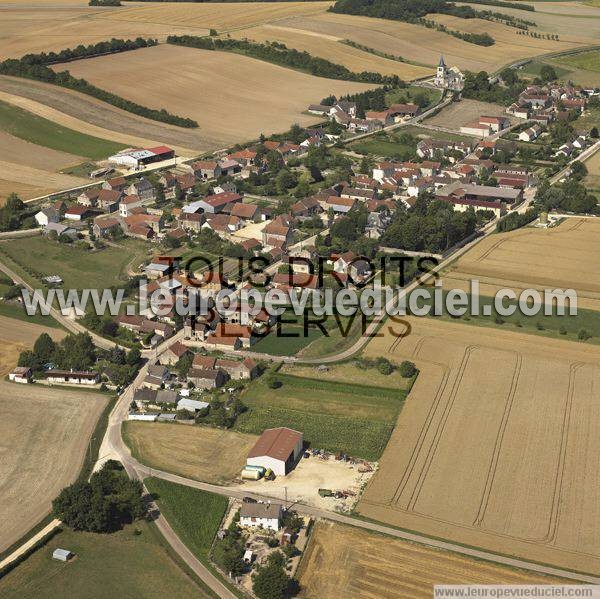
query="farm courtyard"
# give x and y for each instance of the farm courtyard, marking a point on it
(500, 426)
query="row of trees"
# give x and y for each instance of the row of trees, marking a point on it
(280, 54)
(34, 66)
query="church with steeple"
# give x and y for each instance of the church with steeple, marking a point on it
(448, 78)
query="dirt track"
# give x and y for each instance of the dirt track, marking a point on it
(495, 446)
(342, 561)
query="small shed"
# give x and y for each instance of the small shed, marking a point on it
(62, 555)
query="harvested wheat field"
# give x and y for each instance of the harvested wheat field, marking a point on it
(343, 561)
(559, 257)
(30, 28)
(39, 452)
(35, 178)
(87, 115)
(20, 335)
(233, 98)
(496, 445)
(214, 15)
(417, 43)
(563, 18)
(458, 114)
(334, 50)
(206, 454)
(45, 434)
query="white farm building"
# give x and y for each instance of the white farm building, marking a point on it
(277, 449)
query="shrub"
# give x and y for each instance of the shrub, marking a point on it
(583, 335)
(407, 369)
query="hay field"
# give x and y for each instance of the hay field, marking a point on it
(417, 43)
(559, 257)
(343, 561)
(39, 452)
(233, 98)
(461, 113)
(206, 454)
(332, 49)
(495, 445)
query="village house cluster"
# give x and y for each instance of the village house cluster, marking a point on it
(345, 114)
(542, 105)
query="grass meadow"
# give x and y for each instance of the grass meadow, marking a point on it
(42, 132)
(336, 416)
(134, 562)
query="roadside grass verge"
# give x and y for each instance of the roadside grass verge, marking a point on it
(42, 132)
(194, 515)
(336, 416)
(553, 325)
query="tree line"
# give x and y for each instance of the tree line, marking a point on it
(35, 66)
(415, 11)
(280, 54)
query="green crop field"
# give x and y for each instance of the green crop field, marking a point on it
(77, 267)
(355, 419)
(42, 132)
(194, 515)
(123, 564)
(587, 61)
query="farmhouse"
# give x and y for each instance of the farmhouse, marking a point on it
(530, 134)
(105, 226)
(206, 169)
(173, 354)
(261, 515)
(73, 377)
(278, 449)
(46, 216)
(213, 204)
(480, 197)
(21, 374)
(77, 213)
(207, 378)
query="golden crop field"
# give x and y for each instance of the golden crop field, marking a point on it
(520, 259)
(42, 28)
(344, 561)
(495, 447)
(332, 49)
(563, 18)
(233, 97)
(219, 16)
(206, 454)
(416, 43)
(38, 425)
